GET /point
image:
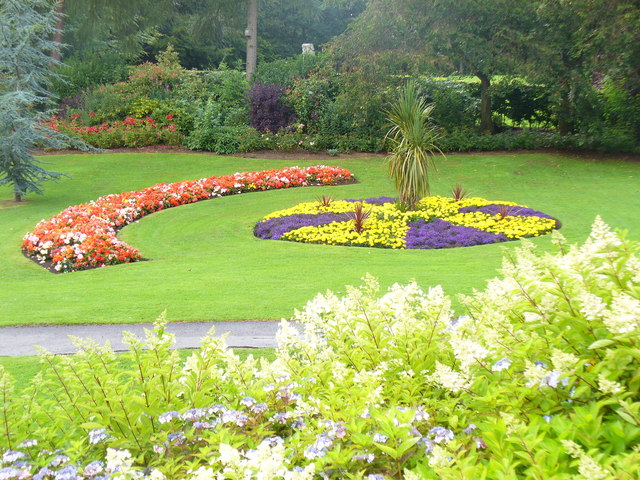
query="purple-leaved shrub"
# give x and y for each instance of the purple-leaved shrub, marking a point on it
(267, 111)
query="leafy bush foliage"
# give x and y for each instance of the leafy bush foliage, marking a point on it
(457, 103)
(310, 96)
(466, 141)
(131, 132)
(225, 139)
(285, 71)
(538, 380)
(267, 110)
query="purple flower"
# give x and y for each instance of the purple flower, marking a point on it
(469, 429)
(97, 435)
(14, 473)
(259, 408)
(441, 234)
(193, 414)
(380, 438)
(368, 457)
(512, 210)
(93, 469)
(441, 434)
(502, 364)
(70, 472)
(11, 456)
(274, 228)
(168, 416)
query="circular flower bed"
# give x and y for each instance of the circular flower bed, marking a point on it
(84, 236)
(436, 222)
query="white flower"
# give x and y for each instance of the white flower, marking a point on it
(593, 307)
(590, 469)
(608, 386)
(563, 361)
(229, 455)
(156, 475)
(203, 473)
(448, 378)
(534, 374)
(624, 315)
(117, 459)
(502, 364)
(572, 448)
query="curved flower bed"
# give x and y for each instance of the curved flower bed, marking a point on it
(84, 236)
(437, 222)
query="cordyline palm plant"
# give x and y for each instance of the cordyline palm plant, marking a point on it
(412, 138)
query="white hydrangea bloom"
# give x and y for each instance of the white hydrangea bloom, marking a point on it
(439, 457)
(602, 235)
(118, 459)
(156, 475)
(229, 455)
(633, 265)
(563, 361)
(409, 475)
(592, 306)
(203, 473)
(534, 373)
(608, 386)
(572, 448)
(591, 470)
(447, 378)
(624, 314)
(467, 351)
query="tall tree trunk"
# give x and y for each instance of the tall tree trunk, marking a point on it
(17, 197)
(56, 53)
(564, 113)
(486, 123)
(252, 38)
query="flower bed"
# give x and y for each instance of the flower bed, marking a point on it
(84, 236)
(131, 132)
(437, 222)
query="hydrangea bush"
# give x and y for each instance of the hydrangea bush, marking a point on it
(434, 222)
(537, 379)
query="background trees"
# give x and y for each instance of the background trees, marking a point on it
(25, 29)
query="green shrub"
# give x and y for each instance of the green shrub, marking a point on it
(285, 71)
(225, 139)
(107, 102)
(538, 380)
(522, 103)
(603, 141)
(457, 104)
(89, 69)
(310, 97)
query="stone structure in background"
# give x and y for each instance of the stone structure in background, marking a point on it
(307, 49)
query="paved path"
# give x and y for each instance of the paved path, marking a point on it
(17, 341)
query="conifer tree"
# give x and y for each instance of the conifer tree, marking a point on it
(26, 27)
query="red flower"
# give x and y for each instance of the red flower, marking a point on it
(84, 236)
(92, 114)
(170, 116)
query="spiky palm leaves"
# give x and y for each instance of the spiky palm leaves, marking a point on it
(412, 138)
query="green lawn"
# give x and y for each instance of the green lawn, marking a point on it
(206, 264)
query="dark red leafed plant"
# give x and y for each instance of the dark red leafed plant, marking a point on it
(359, 215)
(505, 211)
(458, 193)
(325, 200)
